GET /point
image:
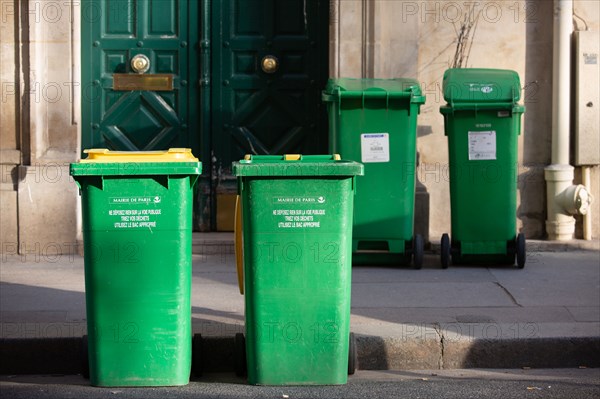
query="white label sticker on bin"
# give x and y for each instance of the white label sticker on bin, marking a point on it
(375, 147)
(482, 145)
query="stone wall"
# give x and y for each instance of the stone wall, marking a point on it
(40, 113)
(10, 135)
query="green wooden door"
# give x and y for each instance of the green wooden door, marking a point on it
(124, 114)
(269, 65)
(221, 103)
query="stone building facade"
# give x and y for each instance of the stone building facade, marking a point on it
(40, 114)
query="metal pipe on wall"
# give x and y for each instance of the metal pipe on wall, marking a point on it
(561, 81)
(563, 198)
(587, 217)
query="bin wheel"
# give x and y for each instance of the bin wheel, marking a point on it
(352, 354)
(521, 250)
(240, 355)
(85, 358)
(418, 249)
(445, 251)
(197, 346)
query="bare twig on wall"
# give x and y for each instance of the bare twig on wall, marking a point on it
(465, 33)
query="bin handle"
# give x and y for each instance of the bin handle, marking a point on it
(239, 249)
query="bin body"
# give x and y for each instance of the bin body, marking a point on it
(137, 225)
(374, 121)
(297, 220)
(482, 121)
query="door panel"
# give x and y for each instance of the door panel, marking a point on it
(258, 111)
(115, 31)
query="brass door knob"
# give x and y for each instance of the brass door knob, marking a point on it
(269, 64)
(140, 63)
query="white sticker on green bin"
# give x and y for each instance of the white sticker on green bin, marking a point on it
(375, 147)
(482, 146)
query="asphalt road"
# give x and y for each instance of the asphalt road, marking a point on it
(463, 384)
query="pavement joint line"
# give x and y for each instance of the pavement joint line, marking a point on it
(438, 329)
(507, 292)
(225, 242)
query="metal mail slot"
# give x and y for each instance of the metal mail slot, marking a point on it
(150, 82)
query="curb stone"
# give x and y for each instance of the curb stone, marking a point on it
(65, 355)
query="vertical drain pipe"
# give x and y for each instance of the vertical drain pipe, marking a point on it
(564, 199)
(561, 81)
(587, 218)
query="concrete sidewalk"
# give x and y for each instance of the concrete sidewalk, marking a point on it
(546, 315)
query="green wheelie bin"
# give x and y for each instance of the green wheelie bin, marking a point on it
(482, 120)
(137, 225)
(374, 121)
(294, 217)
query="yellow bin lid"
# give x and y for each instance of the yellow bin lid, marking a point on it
(107, 156)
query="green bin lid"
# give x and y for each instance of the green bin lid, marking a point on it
(293, 165)
(348, 88)
(480, 85)
(103, 162)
